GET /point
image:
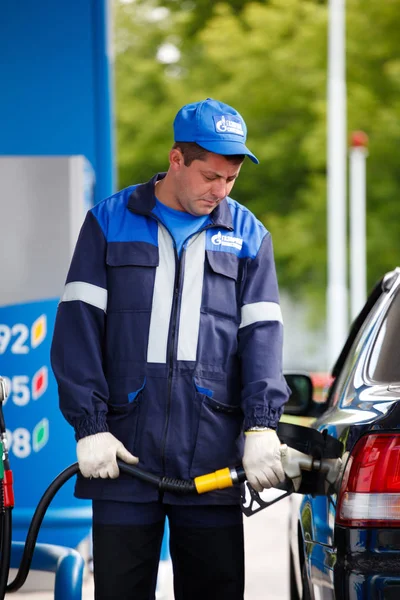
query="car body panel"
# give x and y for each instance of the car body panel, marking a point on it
(341, 562)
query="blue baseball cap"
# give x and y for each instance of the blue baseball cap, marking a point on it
(214, 126)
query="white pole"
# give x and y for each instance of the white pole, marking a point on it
(358, 269)
(337, 307)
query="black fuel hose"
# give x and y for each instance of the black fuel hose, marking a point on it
(177, 486)
(36, 522)
(5, 549)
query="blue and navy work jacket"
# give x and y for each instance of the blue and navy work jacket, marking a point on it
(176, 357)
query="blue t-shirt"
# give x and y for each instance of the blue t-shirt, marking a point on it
(180, 223)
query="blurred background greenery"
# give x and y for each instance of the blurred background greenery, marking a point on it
(269, 60)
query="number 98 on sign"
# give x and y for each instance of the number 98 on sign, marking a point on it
(21, 442)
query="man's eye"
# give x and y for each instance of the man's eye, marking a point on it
(209, 178)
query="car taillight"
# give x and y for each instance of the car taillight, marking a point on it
(370, 490)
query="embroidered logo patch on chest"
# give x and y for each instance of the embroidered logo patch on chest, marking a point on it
(227, 240)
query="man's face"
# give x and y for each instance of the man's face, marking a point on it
(200, 187)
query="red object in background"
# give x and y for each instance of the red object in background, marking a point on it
(321, 380)
(358, 139)
(321, 383)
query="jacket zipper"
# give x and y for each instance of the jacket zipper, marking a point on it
(173, 322)
(171, 341)
(174, 315)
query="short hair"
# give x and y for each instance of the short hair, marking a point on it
(192, 151)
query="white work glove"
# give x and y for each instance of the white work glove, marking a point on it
(97, 455)
(262, 459)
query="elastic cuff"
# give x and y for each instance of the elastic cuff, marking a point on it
(90, 425)
(262, 416)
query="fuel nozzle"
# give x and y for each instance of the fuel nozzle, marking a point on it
(3, 432)
(295, 462)
(3, 390)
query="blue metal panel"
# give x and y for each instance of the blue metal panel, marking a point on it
(55, 100)
(55, 74)
(41, 444)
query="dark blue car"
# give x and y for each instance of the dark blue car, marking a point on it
(345, 545)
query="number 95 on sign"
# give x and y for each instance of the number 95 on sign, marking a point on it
(21, 442)
(21, 389)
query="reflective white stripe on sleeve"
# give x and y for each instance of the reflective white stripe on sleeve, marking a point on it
(86, 292)
(162, 299)
(189, 321)
(260, 311)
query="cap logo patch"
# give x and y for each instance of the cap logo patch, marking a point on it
(228, 124)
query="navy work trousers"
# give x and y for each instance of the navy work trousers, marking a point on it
(206, 546)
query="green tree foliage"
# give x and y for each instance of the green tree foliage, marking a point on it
(269, 60)
(199, 12)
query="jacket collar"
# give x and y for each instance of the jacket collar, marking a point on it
(221, 215)
(142, 201)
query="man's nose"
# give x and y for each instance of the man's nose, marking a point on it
(219, 189)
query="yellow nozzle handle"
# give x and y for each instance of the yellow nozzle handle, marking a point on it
(218, 480)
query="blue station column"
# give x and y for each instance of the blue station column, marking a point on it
(56, 161)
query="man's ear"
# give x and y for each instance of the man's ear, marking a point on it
(176, 159)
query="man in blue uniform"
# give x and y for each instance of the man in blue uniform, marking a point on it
(168, 351)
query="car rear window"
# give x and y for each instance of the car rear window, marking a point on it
(384, 363)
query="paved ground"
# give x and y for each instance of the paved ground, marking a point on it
(267, 561)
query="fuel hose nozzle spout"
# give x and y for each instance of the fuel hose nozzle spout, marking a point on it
(295, 462)
(3, 390)
(3, 432)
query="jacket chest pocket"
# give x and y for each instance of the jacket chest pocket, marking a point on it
(220, 291)
(131, 271)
